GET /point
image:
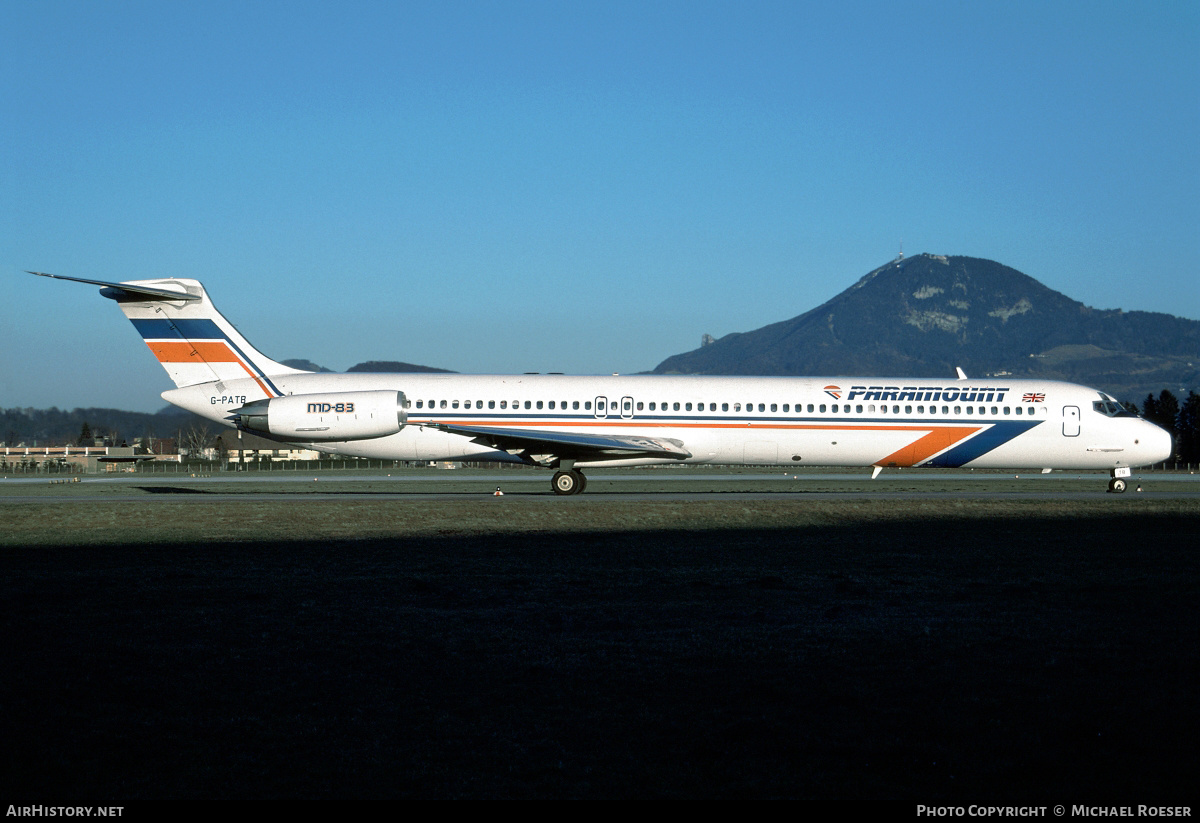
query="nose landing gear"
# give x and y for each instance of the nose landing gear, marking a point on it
(1118, 482)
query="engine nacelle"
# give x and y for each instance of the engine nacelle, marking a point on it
(356, 415)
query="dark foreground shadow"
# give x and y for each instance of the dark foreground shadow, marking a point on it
(1031, 662)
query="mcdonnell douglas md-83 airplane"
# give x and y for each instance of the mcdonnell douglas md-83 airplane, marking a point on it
(568, 423)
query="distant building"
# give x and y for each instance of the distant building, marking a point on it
(228, 444)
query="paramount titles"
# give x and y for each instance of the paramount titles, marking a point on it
(929, 394)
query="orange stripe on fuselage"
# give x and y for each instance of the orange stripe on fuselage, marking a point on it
(920, 450)
(926, 447)
(639, 423)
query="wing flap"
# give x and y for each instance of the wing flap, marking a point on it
(570, 445)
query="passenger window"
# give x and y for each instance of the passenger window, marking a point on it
(858, 409)
(810, 408)
(528, 404)
(822, 408)
(688, 406)
(651, 407)
(420, 404)
(785, 407)
(908, 409)
(454, 404)
(587, 405)
(737, 407)
(504, 404)
(639, 405)
(676, 407)
(712, 406)
(491, 404)
(539, 404)
(551, 404)
(724, 407)
(958, 409)
(574, 404)
(970, 409)
(774, 407)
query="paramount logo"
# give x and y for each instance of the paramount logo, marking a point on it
(987, 394)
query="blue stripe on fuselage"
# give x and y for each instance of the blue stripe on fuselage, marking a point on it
(997, 434)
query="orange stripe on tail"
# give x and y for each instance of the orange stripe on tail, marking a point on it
(186, 352)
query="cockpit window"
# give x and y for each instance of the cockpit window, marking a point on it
(1111, 408)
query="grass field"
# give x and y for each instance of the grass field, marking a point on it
(971, 651)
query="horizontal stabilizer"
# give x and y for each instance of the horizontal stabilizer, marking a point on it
(128, 288)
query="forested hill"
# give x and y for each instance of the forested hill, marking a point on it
(56, 427)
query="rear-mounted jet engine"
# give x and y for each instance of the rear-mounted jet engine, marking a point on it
(361, 415)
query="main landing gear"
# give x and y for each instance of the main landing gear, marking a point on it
(568, 482)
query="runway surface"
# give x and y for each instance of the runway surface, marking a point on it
(630, 487)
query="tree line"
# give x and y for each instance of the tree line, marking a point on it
(1182, 420)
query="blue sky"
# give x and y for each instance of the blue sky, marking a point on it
(577, 187)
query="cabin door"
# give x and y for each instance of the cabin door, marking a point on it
(1070, 421)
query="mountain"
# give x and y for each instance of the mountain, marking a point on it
(925, 315)
(369, 366)
(393, 366)
(307, 365)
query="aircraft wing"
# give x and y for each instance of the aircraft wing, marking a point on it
(541, 446)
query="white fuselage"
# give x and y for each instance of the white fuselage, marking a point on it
(791, 421)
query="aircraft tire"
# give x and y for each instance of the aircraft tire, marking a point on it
(565, 483)
(1116, 485)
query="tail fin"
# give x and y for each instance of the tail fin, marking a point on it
(184, 330)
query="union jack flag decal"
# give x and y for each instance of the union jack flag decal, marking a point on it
(1033, 397)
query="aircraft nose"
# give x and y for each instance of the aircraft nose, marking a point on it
(1156, 445)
